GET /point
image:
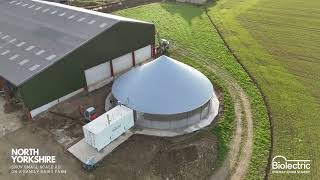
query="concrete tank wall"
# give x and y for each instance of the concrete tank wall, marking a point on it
(176, 121)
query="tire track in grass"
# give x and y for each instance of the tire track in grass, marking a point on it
(236, 164)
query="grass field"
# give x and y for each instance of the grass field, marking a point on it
(189, 27)
(278, 41)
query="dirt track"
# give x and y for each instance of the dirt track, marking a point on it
(236, 164)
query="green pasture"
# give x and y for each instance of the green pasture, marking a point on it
(278, 41)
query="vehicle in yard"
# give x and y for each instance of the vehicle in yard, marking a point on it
(90, 114)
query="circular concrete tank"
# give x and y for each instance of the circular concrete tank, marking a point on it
(165, 94)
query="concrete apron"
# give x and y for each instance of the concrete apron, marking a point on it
(90, 156)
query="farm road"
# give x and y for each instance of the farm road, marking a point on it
(236, 164)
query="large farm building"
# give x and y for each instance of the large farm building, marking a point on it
(50, 51)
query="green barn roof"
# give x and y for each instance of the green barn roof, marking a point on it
(35, 34)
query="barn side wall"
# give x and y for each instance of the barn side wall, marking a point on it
(67, 75)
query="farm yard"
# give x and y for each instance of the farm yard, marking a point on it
(262, 57)
(278, 43)
(236, 146)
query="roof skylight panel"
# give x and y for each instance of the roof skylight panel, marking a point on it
(29, 48)
(21, 44)
(40, 52)
(14, 57)
(81, 19)
(51, 57)
(34, 67)
(71, 17)
(102, 25)
(12, 40)
(62, 14)
(23, 62)
(54, 12)
(46, 10)
(5, 37)
(5, 52)
(38, 8)
(92, 21)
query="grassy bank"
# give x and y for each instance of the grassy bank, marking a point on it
(226, 125)
(278, 42)
(189, 27)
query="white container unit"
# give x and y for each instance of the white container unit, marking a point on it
(108, 127)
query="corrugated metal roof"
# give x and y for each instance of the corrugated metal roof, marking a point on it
(35, 34)
(163, 86)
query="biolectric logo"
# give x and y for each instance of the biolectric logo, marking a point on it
(281, 164)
